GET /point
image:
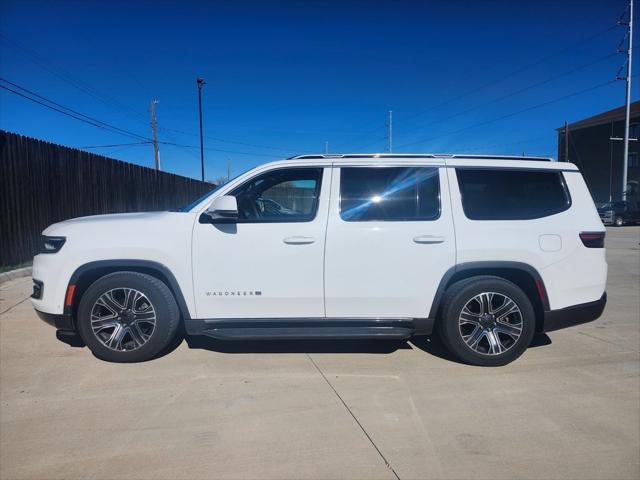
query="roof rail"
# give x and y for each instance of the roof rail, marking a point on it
(414, 155)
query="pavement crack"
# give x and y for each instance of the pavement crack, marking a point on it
(14, 306)
(386, 462)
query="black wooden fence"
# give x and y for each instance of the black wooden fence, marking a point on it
(42, 183)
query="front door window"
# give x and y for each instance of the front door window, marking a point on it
(284, 195)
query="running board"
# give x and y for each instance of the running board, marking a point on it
(309, 328)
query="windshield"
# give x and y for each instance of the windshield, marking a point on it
(188, 207)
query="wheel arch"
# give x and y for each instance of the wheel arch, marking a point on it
(522, 274)
(88, 273)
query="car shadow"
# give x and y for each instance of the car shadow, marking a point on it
(296, 345)
(433, 346)
(430, 345)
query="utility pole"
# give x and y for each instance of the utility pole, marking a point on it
(566, 141)
(625, 157)
(154, 128)
(228, 170)
(326, 147)
(390, 134)
(200, 81)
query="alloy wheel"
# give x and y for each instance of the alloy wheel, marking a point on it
(490, 323)
(123, 319)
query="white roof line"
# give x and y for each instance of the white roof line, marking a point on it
(414, 155)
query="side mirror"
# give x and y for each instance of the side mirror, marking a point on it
(224, 208)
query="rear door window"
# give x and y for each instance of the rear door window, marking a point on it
(389, 194)
(503, 194)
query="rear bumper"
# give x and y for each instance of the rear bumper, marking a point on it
(574, 315)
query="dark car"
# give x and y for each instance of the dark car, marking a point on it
(619, 213)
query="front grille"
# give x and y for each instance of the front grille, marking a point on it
(38, 287)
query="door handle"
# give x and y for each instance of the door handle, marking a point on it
(428, 239)
(299, 240)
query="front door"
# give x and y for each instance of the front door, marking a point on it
(390, 240)
(270, 263)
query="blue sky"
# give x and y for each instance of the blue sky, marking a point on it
(286, 77)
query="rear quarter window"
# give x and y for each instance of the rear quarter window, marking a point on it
(511, 194)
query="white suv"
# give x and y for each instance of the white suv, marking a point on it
(485, 251)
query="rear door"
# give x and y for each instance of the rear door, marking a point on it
(390, 240)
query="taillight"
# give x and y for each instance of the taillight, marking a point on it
(593, 239)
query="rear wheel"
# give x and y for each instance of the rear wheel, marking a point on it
(487, 321)
(618, 222)
(127, 317)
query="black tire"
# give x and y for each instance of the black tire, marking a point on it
(160, 335)
(450, 331)
(618, 221)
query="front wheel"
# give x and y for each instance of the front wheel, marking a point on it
(486, 321)
(127, 317)
(618, 222)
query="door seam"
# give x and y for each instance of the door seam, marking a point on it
(324, 247)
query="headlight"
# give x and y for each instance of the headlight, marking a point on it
(51, 244)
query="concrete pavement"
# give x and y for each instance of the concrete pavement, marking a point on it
(569, 408)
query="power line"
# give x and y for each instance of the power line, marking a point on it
(105, 126)
(515, 72)
(218, 149)
(505, 144)
(533, 107)
(87, 147)
(246, 144)
(508, 75)
(78, 116)
(88, 89)
(31, 92)
(518, 92)
(69, 78)
(106, 99)
(80, 85)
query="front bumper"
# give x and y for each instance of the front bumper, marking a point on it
(574, 315)
(60, 321)
(65, 331)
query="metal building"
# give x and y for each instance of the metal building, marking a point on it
(595, 145)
